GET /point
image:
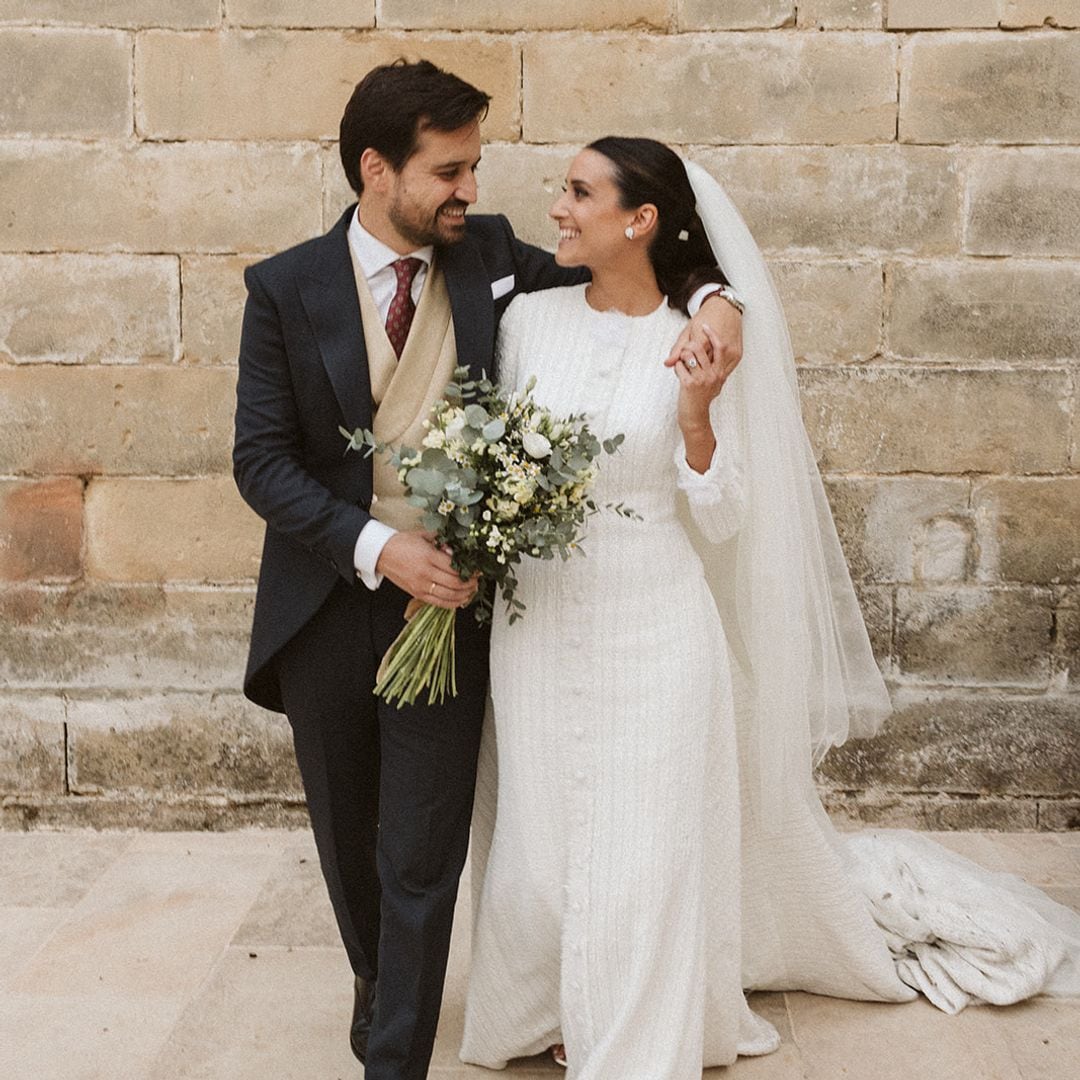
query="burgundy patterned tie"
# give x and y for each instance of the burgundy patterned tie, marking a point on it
(400, 314)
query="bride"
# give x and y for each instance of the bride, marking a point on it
(647, 839)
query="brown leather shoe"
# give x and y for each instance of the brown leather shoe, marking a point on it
(363, 1008)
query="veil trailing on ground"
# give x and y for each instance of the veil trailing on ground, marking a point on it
(782, 585)
(808, 681)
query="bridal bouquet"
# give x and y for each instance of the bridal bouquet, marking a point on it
(497, 477)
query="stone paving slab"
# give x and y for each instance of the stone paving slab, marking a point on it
(210, 956)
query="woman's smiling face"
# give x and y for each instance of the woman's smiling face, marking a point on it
(592, 224)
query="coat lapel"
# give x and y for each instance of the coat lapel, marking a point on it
(328, 293)
(470, 301)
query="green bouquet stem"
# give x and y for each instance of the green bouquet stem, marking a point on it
(422, 657)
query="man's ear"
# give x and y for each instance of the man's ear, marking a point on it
(374, 169)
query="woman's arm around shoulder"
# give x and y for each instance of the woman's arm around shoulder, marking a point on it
(708, 457)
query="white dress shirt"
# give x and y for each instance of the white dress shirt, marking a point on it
(375, 259)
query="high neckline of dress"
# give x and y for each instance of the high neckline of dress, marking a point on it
(615, 312)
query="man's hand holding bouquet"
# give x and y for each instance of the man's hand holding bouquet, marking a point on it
(497, 476)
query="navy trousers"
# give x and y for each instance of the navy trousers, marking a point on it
(390, 793)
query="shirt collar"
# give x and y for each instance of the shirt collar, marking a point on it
(372, 254)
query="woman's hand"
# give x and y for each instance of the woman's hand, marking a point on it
(725, 322)
(701, 378)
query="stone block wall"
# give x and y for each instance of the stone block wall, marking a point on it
(911, 168)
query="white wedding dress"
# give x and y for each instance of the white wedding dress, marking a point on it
(625, 890)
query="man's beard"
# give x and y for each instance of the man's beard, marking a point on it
(422, 230)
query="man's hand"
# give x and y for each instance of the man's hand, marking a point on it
(726, 323)
(413, 563)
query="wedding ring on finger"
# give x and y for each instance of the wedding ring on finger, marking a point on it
(691, 363)
(432, 589)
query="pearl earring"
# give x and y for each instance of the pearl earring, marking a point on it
(628, 232)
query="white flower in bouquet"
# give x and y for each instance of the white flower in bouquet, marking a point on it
(498, 477)
(535, 445)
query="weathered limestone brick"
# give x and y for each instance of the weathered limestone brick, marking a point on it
(1027, 529)
(935, 15)
(960, 14)
(843, 201)
(523, 182)
(1074, 453)
(886, 524)
(1019, 13)
(947, 551)
(78, 308)
(1023, 202)
(116, 420)
(785, 88)
(975, 635)
(123, 637)
(1067, 643)
(841, 14)
(1000, 745)
(893, 420)
(735, 14)
(877, 608)
(353, 14)
(209, 197)
(41, 527)
(1059, 815)
(537, 15)
(990, 88)
(932, 812)
(179, 743)
(31, 744)
(280, 85)
(131, 14)
(65, 82)
(170, 530)
(337, 195)
(1011, 311)
(157, 811)
(833, 309)
(214, 296)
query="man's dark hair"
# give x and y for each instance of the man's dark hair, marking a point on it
(393, 103)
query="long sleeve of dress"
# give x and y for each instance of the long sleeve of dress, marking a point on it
(716, 496)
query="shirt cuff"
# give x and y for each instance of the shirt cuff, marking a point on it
(369, 545)
(702, 294)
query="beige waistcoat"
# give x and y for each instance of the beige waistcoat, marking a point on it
(403, 391)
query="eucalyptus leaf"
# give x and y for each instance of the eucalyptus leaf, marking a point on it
(425, 481)
(476, 416)
(433, 458)
(494, 430)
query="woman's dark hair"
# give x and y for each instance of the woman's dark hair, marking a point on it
(647, 171)
(393, 103)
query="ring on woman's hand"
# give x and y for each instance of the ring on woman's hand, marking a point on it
(432, 589)
(691, 363)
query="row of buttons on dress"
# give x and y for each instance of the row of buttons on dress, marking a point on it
(596, 402)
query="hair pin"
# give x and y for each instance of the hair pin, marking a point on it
(683, 234)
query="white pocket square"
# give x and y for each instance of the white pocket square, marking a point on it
(502, 286)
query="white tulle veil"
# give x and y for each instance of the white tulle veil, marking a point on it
(782, 585)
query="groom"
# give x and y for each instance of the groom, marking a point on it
(363, 327)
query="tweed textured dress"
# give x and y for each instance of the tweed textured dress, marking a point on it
(626, 885)
(607, 910)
